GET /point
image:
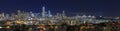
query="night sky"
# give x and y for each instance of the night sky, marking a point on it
(71, 7)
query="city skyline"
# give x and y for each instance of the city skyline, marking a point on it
(71, 7)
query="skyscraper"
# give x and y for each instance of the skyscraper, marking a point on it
(19, 14)
(43, 11)
(63, 13)
(49, 14)
(32, 14)
(3, 15)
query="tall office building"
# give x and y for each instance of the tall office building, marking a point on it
(3, 14)
(7, 16)
(19, 13)
(63, 13)
(43, 11)
(49, 14)
(32, 14)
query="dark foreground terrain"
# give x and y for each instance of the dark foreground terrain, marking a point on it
(110, 26)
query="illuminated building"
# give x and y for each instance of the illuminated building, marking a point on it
(43, 11)
(2, 15)
(49, 14)
(31, 14)
(63, 14)
(19, 14)
(89, 16)
(7, 16)
(84, 16)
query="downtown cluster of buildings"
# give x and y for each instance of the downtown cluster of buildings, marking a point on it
(46, 15)
(21, 15)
